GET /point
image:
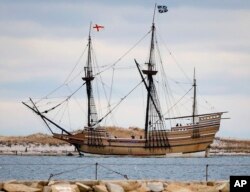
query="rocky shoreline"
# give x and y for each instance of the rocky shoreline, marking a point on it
(114, 186)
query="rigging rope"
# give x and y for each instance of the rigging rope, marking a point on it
(179, 66)
(177, 82)
(118, 103)
(94, 64)
(70, 125)
(124, 68)
(111, 89)
(110, 95)
(212, 108)
(124, 175)
(67, 171)
(174, 104)
(167, 90)
(67, 78)
(99, 78)
(46, 111)
(78, 61)
(175, 60)
(64, 110)
(127, 52)
(178, 100)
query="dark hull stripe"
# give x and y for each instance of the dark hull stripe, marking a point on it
(141, 147)
(146, 149)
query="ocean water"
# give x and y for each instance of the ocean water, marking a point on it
(88, 168)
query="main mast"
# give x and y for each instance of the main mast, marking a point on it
(154, 125)
(150, 72)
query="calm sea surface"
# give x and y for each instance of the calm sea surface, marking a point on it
(41, 167)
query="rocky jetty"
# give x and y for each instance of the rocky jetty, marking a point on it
(114, 186)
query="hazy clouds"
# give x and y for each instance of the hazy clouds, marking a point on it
(40, 41)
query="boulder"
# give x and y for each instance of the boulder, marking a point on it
(129, 186)
(100, 188)
(89, 183)
(64, 188)
(155, 186)
(47, 189)
(224, 187)
(37, 185)
(114, 187)
(75, 188)
(11, 181)
(27, 183)
(210, 183)
(173, 187)
(143, 188)
(83, 188)
(57, 182)
(165, 184)
(201, 187)
(43, 183)
(1, 186)
(19, 187)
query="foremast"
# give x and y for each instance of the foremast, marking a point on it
(94, 137)
(155, 131)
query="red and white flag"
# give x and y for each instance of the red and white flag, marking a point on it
(98, 27)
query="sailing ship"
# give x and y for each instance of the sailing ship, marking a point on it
(194, 136)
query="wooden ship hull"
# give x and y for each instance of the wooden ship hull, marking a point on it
(181, 139)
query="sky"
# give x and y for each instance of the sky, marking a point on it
(41, 41)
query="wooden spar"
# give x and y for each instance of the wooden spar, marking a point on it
(147, 88)
(200, 115)
(44, 118)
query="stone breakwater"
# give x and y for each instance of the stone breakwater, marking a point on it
(114, 186)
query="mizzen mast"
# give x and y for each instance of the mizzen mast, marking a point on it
(196, 133)
(194, 100)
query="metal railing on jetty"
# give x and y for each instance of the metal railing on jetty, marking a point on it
(133, 171)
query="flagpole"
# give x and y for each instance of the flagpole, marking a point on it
(154, 14)
(90, 28)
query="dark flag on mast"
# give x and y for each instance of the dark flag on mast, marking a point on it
(162, 8)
